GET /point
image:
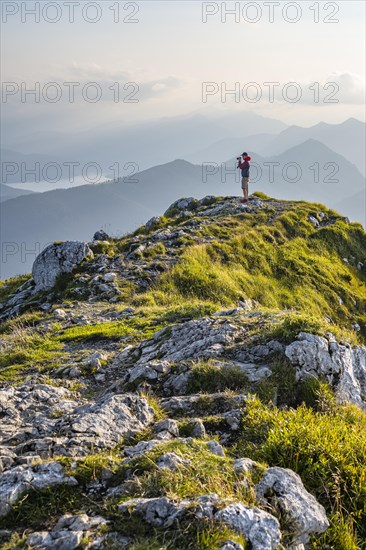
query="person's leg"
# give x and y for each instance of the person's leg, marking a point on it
(246, 189)
(244, 185)
(243, 189)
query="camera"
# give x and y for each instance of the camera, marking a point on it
(238, 158)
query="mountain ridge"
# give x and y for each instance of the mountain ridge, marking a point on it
(120, 205)
(188, 368)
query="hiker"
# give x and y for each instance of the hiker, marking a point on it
(244, 165)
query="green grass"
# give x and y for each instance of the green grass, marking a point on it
(283, 265)
(109, 330)
(155, 250)
(207, 473)
(8, 287)
(29, 354)
(147, 321)
(189, 535)
(297, 276)
(216, 378)
(326, 447)
(31, 319)
(42, 508)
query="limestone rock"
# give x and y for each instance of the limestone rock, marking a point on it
(244, 465)
(231, 545)
(44, 420)
(202, 338)
(153, 222)
(189, 405)
(261, 529)
(181, 204)
(343, 366)
(110, 277)
(168, 425)
(215, 448)
(160, 512)
(16, 482)
(56, 259)
(141, 448)
(59, 314)
(314, 222)
(172, 461)
(198, 429)
(307, 516)
(68, 533)
(111, 418)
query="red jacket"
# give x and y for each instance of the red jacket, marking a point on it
(245, 166)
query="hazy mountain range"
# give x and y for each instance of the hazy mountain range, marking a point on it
(7, 192)
(146, 145)
(324, 175)
(346, 139)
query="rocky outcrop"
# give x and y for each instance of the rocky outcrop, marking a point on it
(202, 338)
(42, 421)
(16, 482)
(166, 359)
(284, 490)
(122, 414)
(69, 532)
(181, 205)
(108, 420)
(260, 528)
(343, 366)
(56, 259)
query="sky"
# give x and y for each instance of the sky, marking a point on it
(162, 55)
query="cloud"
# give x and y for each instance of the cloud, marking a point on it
(92, 78)
(334, 89)
(351, 87)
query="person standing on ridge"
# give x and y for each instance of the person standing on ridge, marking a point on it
(244, 165)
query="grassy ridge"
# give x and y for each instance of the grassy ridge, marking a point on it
(282, 264)
(299, 280)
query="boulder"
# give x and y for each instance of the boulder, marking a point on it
(56, 259)
(110, 277)
(167, 425)
(283, 489)
(46, 421)
(245, 465)
(261, 529)
(343, 366)
(215, 448)
(314, 222)
(198, 429)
